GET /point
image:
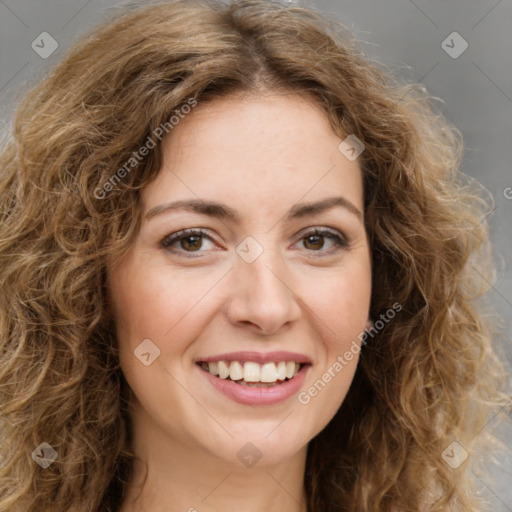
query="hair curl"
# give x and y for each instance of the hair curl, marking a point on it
(421, 383)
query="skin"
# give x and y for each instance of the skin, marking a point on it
(259, 155)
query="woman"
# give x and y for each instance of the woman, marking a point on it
(235, 274)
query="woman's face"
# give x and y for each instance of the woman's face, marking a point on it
(279, 274)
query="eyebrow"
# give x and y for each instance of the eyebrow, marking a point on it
(222, 211)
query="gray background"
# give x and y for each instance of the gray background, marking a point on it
(476, 88)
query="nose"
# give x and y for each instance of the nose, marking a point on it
(262, 294)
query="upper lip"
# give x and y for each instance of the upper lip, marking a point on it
(257, 357)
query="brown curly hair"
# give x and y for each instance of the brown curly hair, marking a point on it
(421, 383)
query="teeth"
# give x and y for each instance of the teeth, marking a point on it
(290, 369)
(281, 370)
(252, 372)
(223, 369)
(213, 368)
(236, 372)
(268, 372)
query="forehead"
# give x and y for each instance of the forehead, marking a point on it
(263, 149)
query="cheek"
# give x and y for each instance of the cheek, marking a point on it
(341, 302)
(150, 304)
(157, 303)
(340, 306)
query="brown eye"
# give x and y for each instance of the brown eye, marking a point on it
(315, 241)
(191, 243)
(186, 241)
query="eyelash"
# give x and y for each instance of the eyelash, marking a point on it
(171, 239)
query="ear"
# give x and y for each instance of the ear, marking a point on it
(369, 323)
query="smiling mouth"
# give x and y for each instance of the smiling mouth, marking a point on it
(252, 374)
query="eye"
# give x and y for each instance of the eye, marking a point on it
(188, 241)
(315, 241)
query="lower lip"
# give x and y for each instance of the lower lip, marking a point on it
(258, 396)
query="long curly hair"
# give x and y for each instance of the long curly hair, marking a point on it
(425, 380)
